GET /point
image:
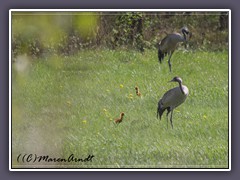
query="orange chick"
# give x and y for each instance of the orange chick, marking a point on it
(137, 91)
(119, 120)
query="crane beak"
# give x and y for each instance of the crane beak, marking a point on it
(171, 80)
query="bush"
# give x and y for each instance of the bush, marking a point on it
(38, 35)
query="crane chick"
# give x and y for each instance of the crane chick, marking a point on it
(137, 91)
(119, 120)
(169, 43)
(172, 99)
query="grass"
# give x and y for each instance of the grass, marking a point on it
(67, 105)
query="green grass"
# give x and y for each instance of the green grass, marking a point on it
(66, 105)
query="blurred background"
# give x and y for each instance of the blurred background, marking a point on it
(39, 34)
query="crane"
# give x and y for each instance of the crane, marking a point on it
(119, 120)
(172, 99)
(169, 43)
(137, 91)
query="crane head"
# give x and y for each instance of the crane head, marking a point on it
(185, 30)
(176, 79)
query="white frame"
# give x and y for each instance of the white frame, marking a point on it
(115, 10)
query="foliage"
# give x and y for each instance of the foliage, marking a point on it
(128, 30)
(42, 35)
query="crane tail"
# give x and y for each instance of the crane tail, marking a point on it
(160, 55)
(160, 110)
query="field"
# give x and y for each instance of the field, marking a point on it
(67, 105)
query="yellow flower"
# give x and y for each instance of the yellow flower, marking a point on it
(108, 90)
(84, 121)
(130, 96)
(104, 110)
(204, 116)
(69, 103)
(121, 85)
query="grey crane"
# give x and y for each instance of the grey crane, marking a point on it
(169, 43)
(172, 99)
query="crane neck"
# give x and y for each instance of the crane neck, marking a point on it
(121, 116)
(184, 36)
(181, 87)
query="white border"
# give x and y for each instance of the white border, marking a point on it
(115, 10)
(229, 88)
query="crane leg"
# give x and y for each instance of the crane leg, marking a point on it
(169, 61)
(167, 120)
(168, 111)
(171, 119)
(170, 65)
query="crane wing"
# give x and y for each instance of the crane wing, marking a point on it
(173, 98)
(170, 42)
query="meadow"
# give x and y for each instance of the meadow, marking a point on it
(67, 105)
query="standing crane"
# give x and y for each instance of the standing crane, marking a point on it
(172, 99)
(169, 44)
